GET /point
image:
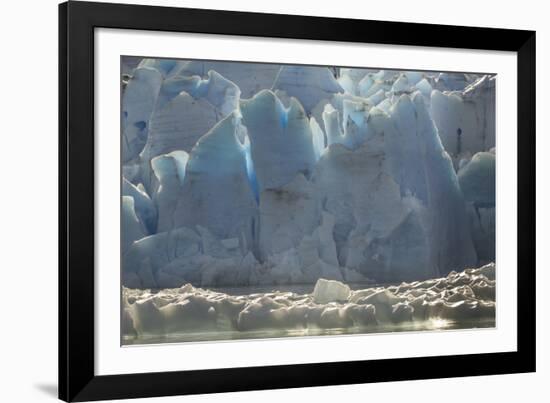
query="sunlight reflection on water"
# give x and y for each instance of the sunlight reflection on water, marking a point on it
(428, 325)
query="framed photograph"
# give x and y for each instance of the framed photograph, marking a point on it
(258, 201)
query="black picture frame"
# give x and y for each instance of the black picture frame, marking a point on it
(77, 379)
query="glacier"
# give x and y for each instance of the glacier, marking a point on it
(466, 118)
(281, 141)
(139, 99)
(258, 175)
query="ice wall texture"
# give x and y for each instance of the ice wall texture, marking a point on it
(240, 174)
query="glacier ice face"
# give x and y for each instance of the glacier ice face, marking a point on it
(138, 102)
(287, 214)
(354, 131)
(355, 186)
(143, 206)
(216, 192)
(133, 229)
(281, 141)
(167, 67)
(220, 92)
(169, 170)
(453, 81)
(477, 181)
(392, 198)
(342, 174)
(425, 88)
(188, 108)
(414, 77)
(310, 85)
(466, 120)
(452, 246)
(375, 82)
(349, 79)
(176, 126)
(401, 84)
(128, 65)
(172, 258)
(250, 78)
(318, 138)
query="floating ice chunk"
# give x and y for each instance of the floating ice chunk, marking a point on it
(138, 101)
(169, 170)
(310, 85)
(281, 142)
(216, 193)
(326, 291)
(249, 77)
(489, 271)
(132, 229)
(143, 206)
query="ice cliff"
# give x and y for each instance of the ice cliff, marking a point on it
(249, 174)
